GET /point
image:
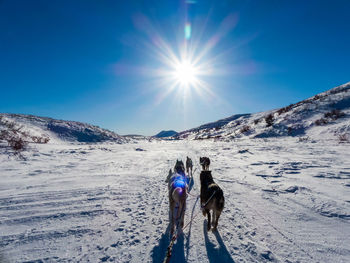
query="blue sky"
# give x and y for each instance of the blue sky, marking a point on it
(99, 61)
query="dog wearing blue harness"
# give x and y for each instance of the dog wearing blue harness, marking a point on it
(178, 187)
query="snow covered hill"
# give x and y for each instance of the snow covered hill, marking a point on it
(59, 130)
(323, 116)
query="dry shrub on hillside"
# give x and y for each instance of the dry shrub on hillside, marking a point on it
(245, 129)
(16, 137)
(269, 120)
(303, 139)
(343, 138)
(285, 109)
(321, 121)
(331, 115)
(334, 114)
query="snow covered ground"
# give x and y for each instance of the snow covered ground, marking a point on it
(286, 201)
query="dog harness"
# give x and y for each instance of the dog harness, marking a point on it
(180, 181)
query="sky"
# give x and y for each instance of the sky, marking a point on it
(121, 64)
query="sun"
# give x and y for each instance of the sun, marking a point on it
(184, 65)
(185, 73)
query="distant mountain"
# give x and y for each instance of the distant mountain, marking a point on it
(323, 116)
(59, 130)
(164, 134)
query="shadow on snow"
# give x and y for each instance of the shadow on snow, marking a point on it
(160, 250)
(216, 254)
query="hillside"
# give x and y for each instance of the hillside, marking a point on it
(323, 116)
(59, 130)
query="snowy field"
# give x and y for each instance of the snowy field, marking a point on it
(286, 201)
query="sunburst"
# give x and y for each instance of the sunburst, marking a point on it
(184, 66)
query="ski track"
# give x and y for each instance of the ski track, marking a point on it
(284, 202)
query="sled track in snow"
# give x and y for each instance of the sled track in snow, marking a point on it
(53, 216)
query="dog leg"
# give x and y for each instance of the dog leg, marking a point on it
(183, 215)
(209, 218)
(217, 215)
(202, 208)
(213, 221)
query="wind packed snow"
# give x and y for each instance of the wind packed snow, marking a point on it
(285, 201)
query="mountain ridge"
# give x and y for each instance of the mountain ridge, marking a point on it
(310, 117)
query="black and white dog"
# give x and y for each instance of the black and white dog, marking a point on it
(212, 198)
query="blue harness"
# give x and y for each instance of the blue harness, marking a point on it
(179, 180)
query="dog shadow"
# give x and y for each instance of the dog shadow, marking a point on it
(159, 252)
(188, 240)
(216, 254)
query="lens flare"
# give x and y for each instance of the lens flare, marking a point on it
(187, 31)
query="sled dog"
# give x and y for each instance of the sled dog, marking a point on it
(189, 165)
(212, 198)
(204, 162)
(177, 186)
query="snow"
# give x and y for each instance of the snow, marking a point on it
(286, 200)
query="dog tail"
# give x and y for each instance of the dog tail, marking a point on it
(220, 200)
